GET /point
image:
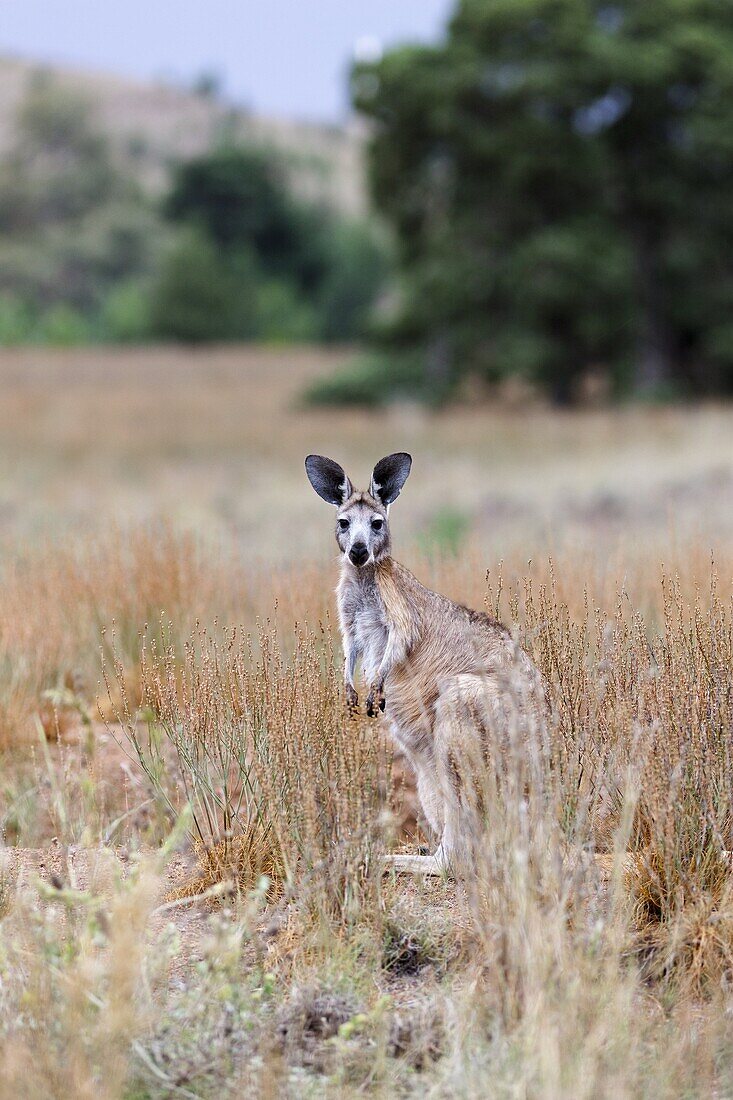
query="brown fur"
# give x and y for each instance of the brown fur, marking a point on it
(446, 675)
(456, 672)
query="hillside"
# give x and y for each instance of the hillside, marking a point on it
(152, 124)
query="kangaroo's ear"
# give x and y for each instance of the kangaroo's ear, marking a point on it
(328, 479)
(389, 475)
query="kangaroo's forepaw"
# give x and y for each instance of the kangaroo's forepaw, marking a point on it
(352, 700)
(375, 701)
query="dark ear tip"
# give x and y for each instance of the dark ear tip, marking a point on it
(327, 478)
(313, 462)
(397, 456)
(402, 458)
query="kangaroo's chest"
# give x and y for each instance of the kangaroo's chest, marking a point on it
(363, 615)
(370, 635)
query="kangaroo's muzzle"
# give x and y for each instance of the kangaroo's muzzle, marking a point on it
(358, 553)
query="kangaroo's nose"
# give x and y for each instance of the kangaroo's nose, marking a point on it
(359, 553)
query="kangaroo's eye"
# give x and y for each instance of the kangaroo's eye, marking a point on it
(344, 524)
(377, 524)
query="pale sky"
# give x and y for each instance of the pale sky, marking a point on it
(282, 57)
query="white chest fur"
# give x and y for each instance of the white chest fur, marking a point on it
(370, 636)
(364, 622)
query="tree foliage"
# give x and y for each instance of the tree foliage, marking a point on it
(303, 273)
(197, 299)
(228, 254)
(558, 174)
(238, 198)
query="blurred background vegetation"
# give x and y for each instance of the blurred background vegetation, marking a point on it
(224, 251)
(558, 175)
(550, 208)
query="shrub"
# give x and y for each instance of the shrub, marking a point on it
(63, 326)
(16, 321)
(284, 314)
(125, 315)
(200, 297)
(317, 276)
(374, 380)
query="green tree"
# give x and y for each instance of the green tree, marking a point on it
(199, 298)
(558, 175)
(237, 197)
(355, 270)
(318, 276)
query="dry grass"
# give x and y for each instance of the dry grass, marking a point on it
(214, 441)
(276, 783)
(176, 697)
(596, 932)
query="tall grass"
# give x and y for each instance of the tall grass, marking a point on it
(275, 778)
(588, 952)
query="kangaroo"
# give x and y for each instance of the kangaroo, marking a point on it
(440, 670)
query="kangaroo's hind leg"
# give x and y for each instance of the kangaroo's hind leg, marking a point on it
(430, 795)
(461, 719)
(441, 862)
(451, 779)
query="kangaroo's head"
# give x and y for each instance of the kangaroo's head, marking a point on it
(362, 524)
